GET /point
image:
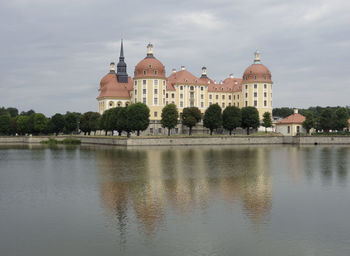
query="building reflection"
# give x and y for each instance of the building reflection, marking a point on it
(151, 183)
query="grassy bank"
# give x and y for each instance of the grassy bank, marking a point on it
(66, 141)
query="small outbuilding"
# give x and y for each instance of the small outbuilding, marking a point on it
(291, 125)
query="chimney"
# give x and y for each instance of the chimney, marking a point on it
(204, 72)
(174, 70)
(112, 67)
(295, 111)
(183, 68)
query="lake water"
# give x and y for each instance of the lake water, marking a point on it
(246, 200)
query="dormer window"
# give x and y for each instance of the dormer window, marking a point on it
(192, 88)
(254, 77)
(265, 77)
(155, 72)
(144, 72)
(186, 82)
(150, 66)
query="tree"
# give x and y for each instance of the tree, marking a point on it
(250, 118)
(341, 119)
(22, 122)
(71, 122)
(231, 118)
(170, 116)
(326, 119)
(212, 118)
(138, 117)
(309, 122)
(40, 123)
(5, 123)
(57, 123)
(267, 121)
(12, 111)
(85, 123)
(282, 112)
(122, 122)
(94, 121)
(190, 117)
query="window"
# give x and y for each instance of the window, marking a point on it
(254, 77)
(298, 129)
(288, 129)
(111, 103)
(265, 94)
(210, 103)
(255, 86)
(155, 91)
(181, 96)
(246, 87)
(210, 96)
(150, 130)
(155, 113)
(163, 82)
(155, 72)
(166, 95)
(191, 88)
(265, 86)
(159, 130)
(135, 92)
(176, 130)
(144, 72)
(144, 100)
(163, 93)
(181, 104)
(223, 105)
(202, 104)
(144, 82)
(202, 96)
(246, 103)
(265, 77)
(167, 103)
(155, 82)
(246, 95)
(173, 95)
(181, 87)
(255, 103)
(223, 97)
(237, 104)
(144, 91)
(237, 97)
(163, 101)
(229, 97)
(255, 94)
(155, 101)
(217, 97)
(229, 104)
(135, 83)
(202, 88)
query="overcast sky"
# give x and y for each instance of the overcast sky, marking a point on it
(53, 53)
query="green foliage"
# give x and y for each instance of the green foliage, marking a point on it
(57, 123)
(71, 122)
(89, 122)
(267, 121)
(170, 116)
(250, 118)
(40, 123)
(138, 117)
(190, 117)
(94, 121)
(341, 119)
(212, 117)
(22, 122)
(282, 112)
(122, 122)
(28, 113)
(66, 141)
(326, 120)
(309, 122)
(5, 123)
(231, 118)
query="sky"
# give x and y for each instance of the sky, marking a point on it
(53, 53)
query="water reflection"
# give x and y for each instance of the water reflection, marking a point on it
(157, 181)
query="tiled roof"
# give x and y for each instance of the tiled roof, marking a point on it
(228, 85)
(110, 87)
(184, 77)
(293, 119)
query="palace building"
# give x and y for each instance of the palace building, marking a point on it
(152, 86)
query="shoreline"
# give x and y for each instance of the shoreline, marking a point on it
(186, 141)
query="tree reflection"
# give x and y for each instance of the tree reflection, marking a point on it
(155, 181)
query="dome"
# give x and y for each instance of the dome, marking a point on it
(149, 66)
(257, 73)
(107, 79)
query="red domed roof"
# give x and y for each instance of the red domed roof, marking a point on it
(149, 67)
(257, 73)
(110, 87)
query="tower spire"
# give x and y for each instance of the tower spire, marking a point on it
(257, 57)
(122, 75)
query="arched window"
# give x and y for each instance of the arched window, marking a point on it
(191, 88)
